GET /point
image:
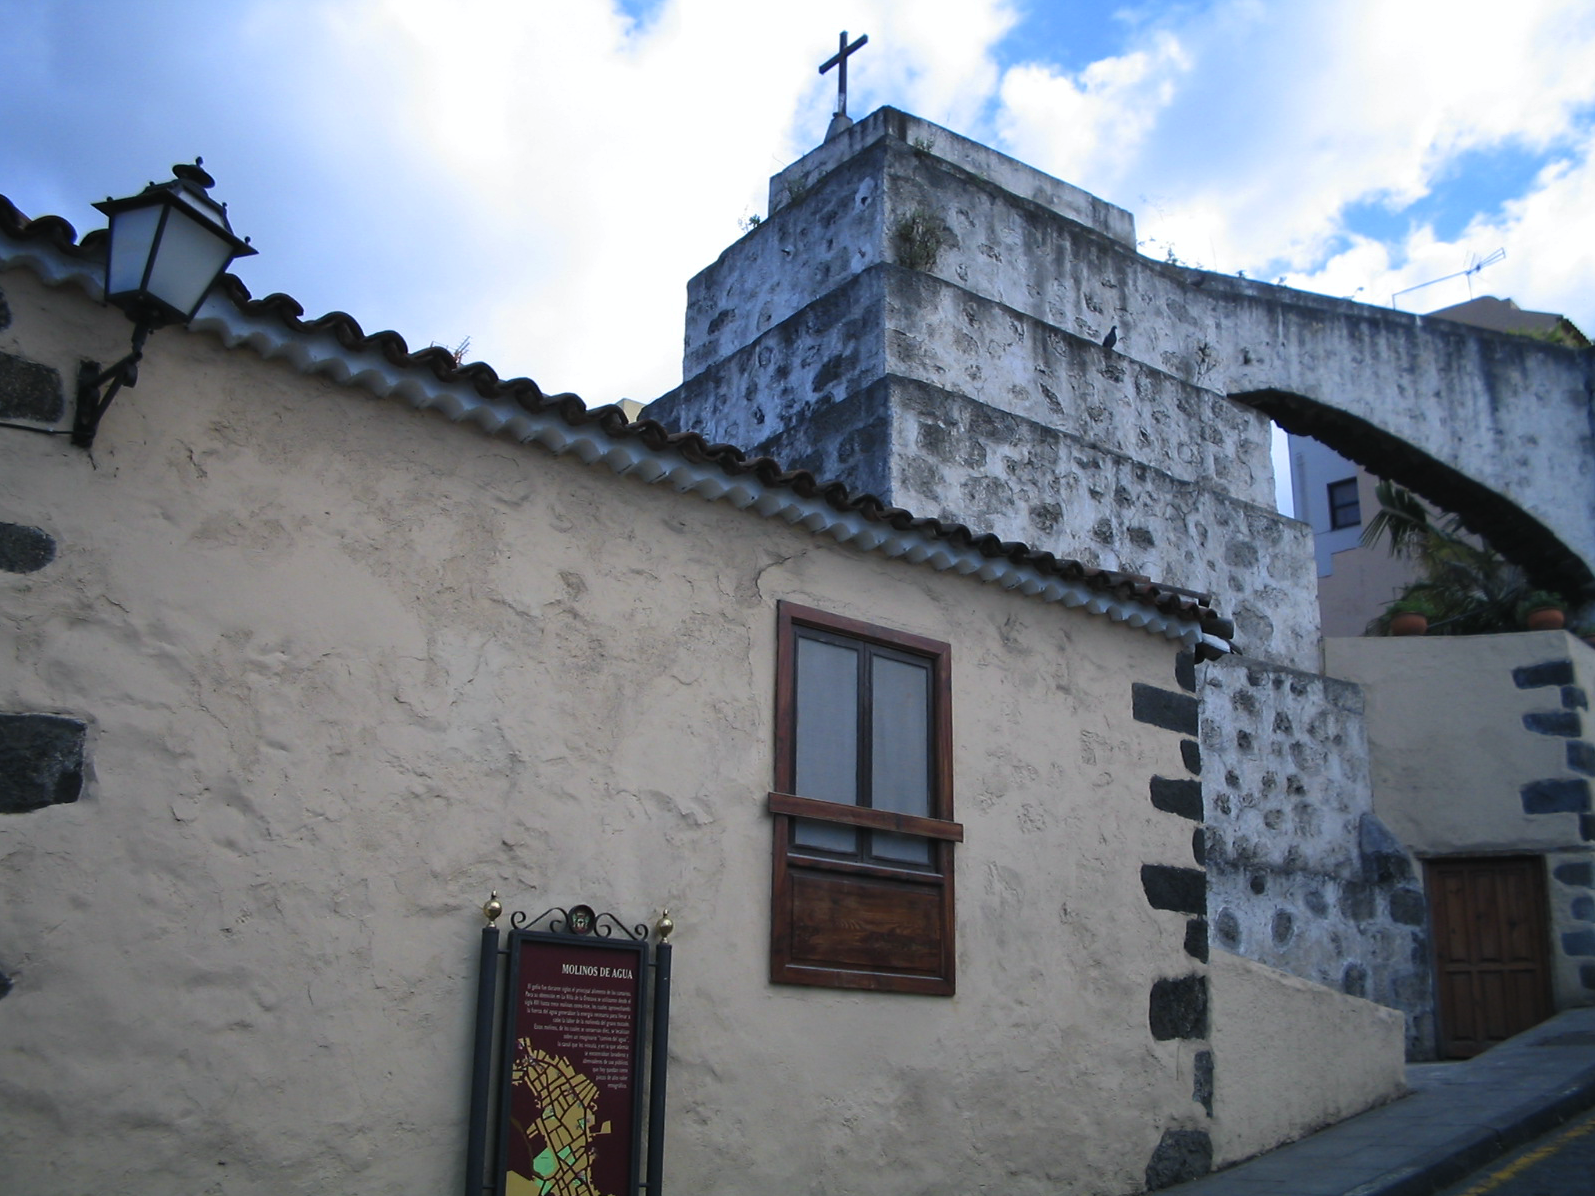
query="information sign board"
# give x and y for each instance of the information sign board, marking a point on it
(571, 1066)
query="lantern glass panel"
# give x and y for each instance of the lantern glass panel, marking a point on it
(187, 261)
(132, 234)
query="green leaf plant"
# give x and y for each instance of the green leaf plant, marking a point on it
(1464, 585)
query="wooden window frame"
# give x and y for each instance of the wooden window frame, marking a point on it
(807, 884)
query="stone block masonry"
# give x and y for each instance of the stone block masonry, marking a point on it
(1302, 876)
(1181, 1155)
(29, 391)
(24, 549)
(41, 761)
(975, 387)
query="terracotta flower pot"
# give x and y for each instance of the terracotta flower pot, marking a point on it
(1547, 618)
(1409, 622)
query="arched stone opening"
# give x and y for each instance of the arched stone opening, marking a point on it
(1513, 532)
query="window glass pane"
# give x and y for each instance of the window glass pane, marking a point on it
(189, 258)
(825, 836)
(131, 235)
(1344, 507)
(899, 728)
(907, 849)
(900, 742)
(827, 738)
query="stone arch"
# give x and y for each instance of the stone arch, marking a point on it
(1514, 532)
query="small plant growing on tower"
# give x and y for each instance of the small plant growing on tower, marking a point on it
(918, 239)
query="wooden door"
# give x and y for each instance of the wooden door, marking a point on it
(1491, 963)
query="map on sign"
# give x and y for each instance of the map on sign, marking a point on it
(571, 1097)
(560, 1137)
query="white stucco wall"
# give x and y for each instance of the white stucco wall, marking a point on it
(348, 667)
(1291, 1057)
(1448, 744)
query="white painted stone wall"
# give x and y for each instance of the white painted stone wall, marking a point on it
(347, 667)
(1269, 1084)
(1301, 874)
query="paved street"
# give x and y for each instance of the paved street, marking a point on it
(1559, 1163)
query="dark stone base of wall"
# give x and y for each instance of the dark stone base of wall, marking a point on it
(1181, 1155)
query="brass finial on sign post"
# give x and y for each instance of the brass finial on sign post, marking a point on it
(664, 926)
(492, 909)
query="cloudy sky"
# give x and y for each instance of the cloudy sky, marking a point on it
(543, 176)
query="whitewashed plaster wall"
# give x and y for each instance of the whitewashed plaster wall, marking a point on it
(1269, 1086)
(347, 667)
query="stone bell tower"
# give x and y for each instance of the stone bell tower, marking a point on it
(924, 318)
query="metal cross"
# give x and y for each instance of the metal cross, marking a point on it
(839, 60)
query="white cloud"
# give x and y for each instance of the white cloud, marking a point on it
(613, 162)
(1088, 129)
(1546, 233)
(545, 175)
(1240, 132)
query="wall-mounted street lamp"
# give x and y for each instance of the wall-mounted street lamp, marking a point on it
(169, 245)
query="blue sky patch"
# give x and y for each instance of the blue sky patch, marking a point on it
(640, 11)
(1067, 34)
(1476, 183)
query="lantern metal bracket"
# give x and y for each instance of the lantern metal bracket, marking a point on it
(91, 404)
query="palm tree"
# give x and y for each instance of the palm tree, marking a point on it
(1473, 589)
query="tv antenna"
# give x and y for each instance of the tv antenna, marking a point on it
(1475, 264)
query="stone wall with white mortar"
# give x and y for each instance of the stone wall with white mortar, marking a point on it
(1302, 875)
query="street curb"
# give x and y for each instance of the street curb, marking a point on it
(1474, 1148)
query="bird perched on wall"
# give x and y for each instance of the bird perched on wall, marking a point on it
(1112, 337)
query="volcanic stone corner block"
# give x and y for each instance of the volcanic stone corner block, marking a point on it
(1180, 1155)
(1582, 873)
(1554, 722)
(1163, 708)
(1178, 1008)
(6, 985)
(24, 549)
(1191, 754)
(1178, 797)
(1581, 757)
(1196, 939)
(1550, 672)
(1383, 857)
(30, 391)
(1579, 942)
(1202, 1090)
(1556, 797)
(1574, 698)
(5, 312)
(1586, 975)
(1408, 907)
(1182, 890)
(41, 761)
(1185, 671)
(1354, 980)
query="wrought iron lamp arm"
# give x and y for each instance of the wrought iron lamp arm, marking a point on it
(91, 405)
